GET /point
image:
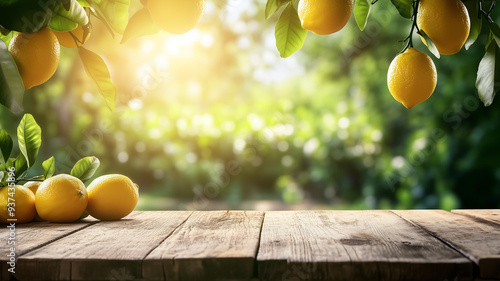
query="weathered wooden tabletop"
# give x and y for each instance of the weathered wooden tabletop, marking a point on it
(253, 245)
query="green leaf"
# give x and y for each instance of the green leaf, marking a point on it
(494, 32)
(85, 168)
(404, 7)
(488, 74)
(140, 24)
(289, 33)
(430, 45)
(29, 137)
(66, 20)
(273, 5)
(7, 37)
(114, 12)
(21, 165)
(49, 167)
(475, 22)
(11, 84)
(97, 69)
(84, 3)
(5, 146)
(361, 12)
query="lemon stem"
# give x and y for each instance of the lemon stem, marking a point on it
(413, 26)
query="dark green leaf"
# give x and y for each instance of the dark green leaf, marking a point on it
(85, 168)
(289, 33)
(11, 84)
(488, 74)
(361, 12)
(475, 22)
(29, 137)
(66, 4)
(495, 32)
(404, 7)
(21, 165)
(5, 146)
(49, 167)
(66, 20)
(430, 45)
(97, 69)
(273, 5)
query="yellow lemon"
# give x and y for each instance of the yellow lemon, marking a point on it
(446, 22)
(175, 16)
(36, 56)
(61, 198)
(411, 77)
(324, 16)
(112, 197)
(33, 186)
(22, 200)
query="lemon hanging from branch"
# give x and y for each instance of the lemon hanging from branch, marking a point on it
(446, 22)
(412, 77)
(176, 16)
(324, 16)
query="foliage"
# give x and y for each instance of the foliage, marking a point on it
(63, 16)
(29, 136)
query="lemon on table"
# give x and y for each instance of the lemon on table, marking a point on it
(446, 22)
(324, 16)
(112, 197)
(24, 204)
(67, 40)
(36, 56)
(411, 77)
(176, 16)
(62, 198)
(33, 186)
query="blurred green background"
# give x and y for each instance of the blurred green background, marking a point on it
(215, 119)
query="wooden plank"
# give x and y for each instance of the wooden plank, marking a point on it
(484, 214)
(353, 245)
(213, 245)
(111, 250)
(476, 239)
(31, 236)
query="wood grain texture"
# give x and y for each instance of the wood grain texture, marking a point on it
(485, 214)
(478, 240)
(353, 245)
(213, 245)
(32, 236)
(108, 250)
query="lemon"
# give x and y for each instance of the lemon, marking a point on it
(176, 16)
(324, 16)
(446, 22)
(62, 198)
(33, 186)
(22, 200)
(112, 197)
(411, 77)
(36, 56)
(67, 40)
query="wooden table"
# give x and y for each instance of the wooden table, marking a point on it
(253, 245)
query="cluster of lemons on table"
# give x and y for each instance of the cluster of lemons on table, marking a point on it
(64, 198)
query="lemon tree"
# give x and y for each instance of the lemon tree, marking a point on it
(70, 22)
(445, 26)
